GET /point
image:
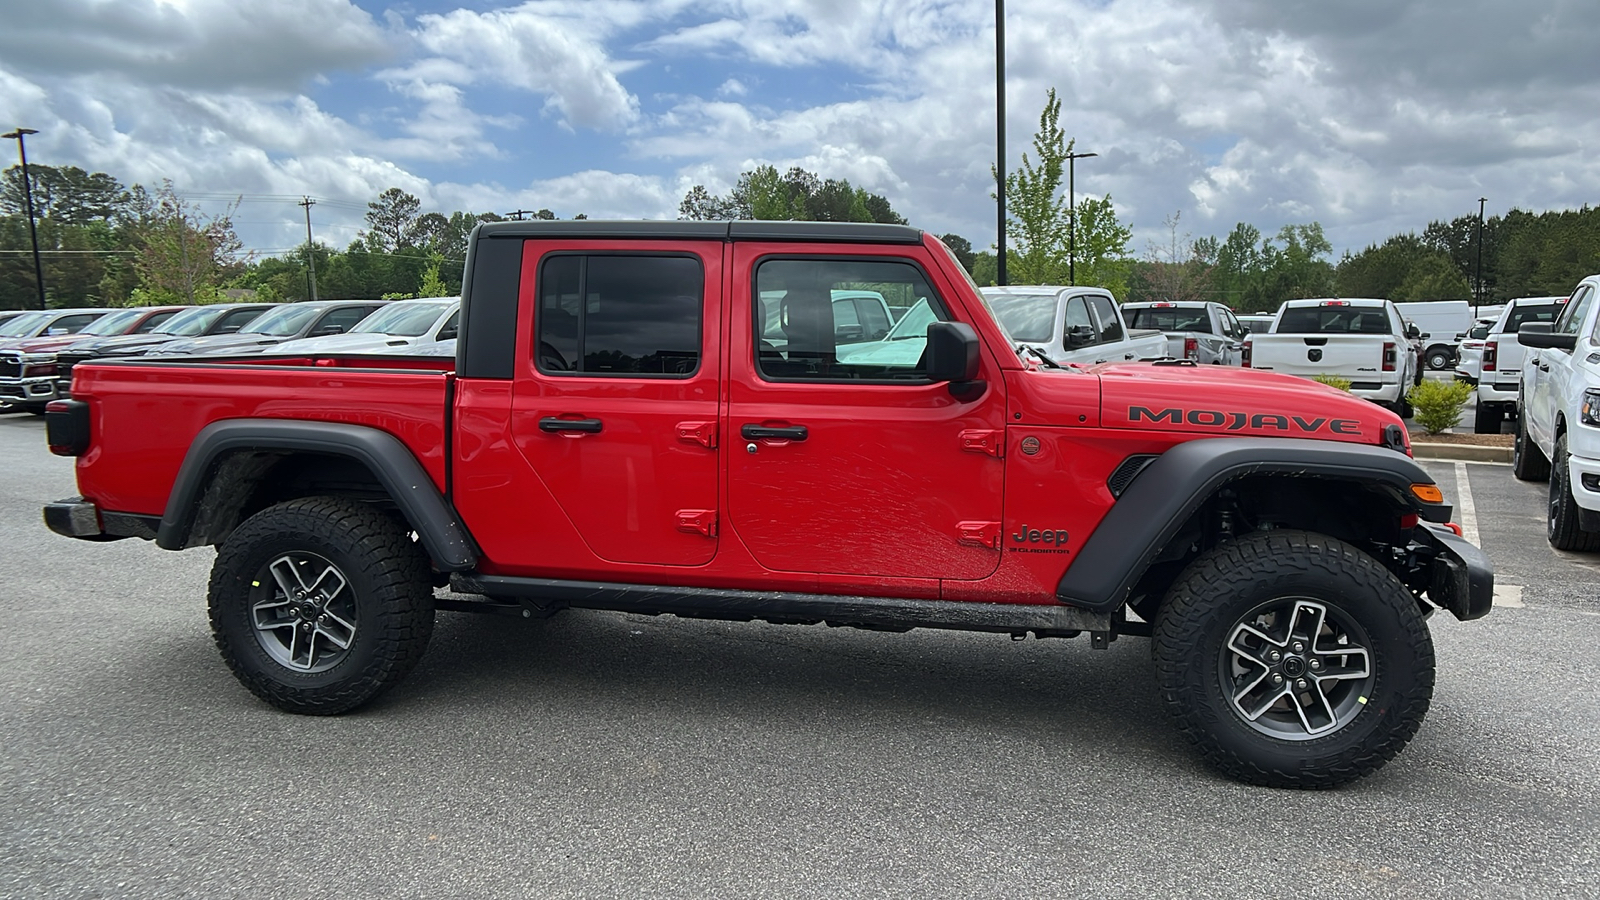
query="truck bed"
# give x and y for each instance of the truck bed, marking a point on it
(149, 411)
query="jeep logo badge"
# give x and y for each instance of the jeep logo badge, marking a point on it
(1314, 354)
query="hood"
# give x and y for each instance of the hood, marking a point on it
(238, 342)
(48, 344)
(345, 343)
(124, 345)
(1215, 401)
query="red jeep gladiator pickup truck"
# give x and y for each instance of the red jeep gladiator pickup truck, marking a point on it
(670, 417)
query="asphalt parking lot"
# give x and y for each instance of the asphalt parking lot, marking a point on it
(607, 755)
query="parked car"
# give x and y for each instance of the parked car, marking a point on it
(1558, 425)
(1205, 332)
(7, 315)
(29, 368)
(1469, 359)
(397, 324)
(216, 318)
(1072, 324)
(858, 317)
(1360, 340)
(306, 319)
(1500, 370)
(1256, 324)
(675, 468)
(47, 323)
(1439, 321)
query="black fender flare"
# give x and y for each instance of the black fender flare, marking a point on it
(1166, 492)
(441, 531)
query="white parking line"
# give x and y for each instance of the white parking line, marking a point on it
(1466, 513)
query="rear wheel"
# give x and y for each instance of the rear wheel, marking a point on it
(1528, 462)
(1561, 525)
(1486, 418)
(320, 604)
(1292, 659)
(1439, 359)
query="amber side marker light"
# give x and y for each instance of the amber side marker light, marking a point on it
(1428, 493)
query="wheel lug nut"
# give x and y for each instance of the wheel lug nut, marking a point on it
(1298, 646)
(1277, 679)
(1316, 664)
(1275, 656)
(1301, 684)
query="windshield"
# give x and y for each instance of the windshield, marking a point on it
(281, 322)
(914, 324)
(1172, 319)
(25, 325)
(402, 319)
(190, 322)
(1027, 317)
(1333, 320)
(115, 323)
(1531, 312)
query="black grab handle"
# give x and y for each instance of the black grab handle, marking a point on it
(553, 425)
(786, 433)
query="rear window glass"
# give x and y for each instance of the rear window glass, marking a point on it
(1531, 312)
(1169, 319)
(1334, 320)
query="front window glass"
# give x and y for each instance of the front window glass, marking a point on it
(1078, 330)
(236, 319)
(191, 322)
(1110, 325)
(24, 325)
(281, 322)
(620, 315)
(1573, 313)
(403, 319)
(1026, 317)
(804, 335)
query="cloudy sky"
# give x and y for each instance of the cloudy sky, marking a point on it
(1370, 116)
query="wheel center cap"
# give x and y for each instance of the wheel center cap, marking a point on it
(1294, 666)
(308, 609)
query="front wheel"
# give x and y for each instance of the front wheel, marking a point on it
(1561, 525)
(320, 604)
(1292, 659)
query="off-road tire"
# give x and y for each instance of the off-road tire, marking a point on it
(1528, 462)
(1225, 588)
(1486, 418)
(1561, 525)
(391, 602)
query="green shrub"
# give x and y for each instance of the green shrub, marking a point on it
(1333, 381)
(1438, 404)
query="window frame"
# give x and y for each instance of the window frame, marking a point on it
(583, 283)
(936, 301)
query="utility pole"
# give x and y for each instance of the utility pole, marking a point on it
(1477, 288)
(516, 215)
(1000, 133)
(27, 196)
(311, 257)
(1072, 219)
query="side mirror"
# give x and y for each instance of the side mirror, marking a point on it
(1078, 336)
(1425, 335)
(1538, 334)
(447, 334)
(1412, 332)
(328, 329)
(952, 352)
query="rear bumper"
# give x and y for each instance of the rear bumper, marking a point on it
(1381, 391)
(78, 518)
(1497, 392)
(1463, 576)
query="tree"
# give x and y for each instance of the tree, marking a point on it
(797, 195)
(185, 256)
(1175, 270)
(960, 248)
(1037, 215)
(392, 220)
(67, 195)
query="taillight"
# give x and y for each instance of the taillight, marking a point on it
(1191, 348)
(1244, 355)
(1388, 356)
(1491, 350)
(66, 427)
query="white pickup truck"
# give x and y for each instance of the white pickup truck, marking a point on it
(1558, 425)
(1500, 364)
(1361, 341)
(1072, 324)
(1205, 332)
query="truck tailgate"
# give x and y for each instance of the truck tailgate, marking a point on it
(1358, 357)
(145, 414)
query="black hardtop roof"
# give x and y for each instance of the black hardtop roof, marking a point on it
(822, 232)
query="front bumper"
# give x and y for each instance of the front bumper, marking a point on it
(78, 518)
(39, 390)
(1584, 473)
(1462, 578)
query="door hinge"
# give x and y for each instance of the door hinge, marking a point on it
(979, 534)
(982, 440)
(701, 522)
(702, 433)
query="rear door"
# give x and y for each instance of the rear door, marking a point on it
(615, 404)
(847, 460)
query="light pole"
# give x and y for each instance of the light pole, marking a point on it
(27, 196)
(1072, 223)
(1477, 292)
(1000, 132)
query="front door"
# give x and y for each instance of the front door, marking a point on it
(615, 403)
(845, 459)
